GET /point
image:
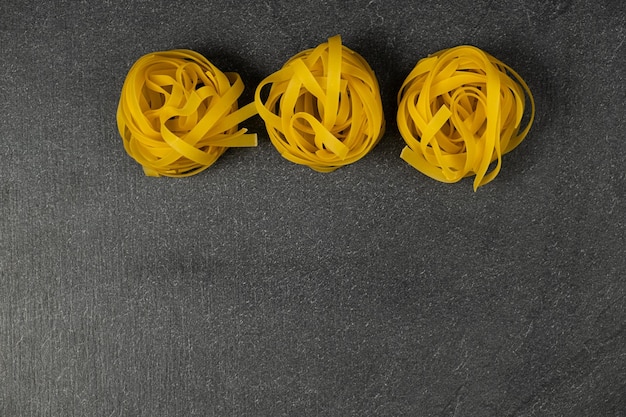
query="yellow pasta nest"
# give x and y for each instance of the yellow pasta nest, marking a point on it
(324, 108)
(178, 113)
(459, 111)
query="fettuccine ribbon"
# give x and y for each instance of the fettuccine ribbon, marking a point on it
(460, 110)
(324, 108)
(178, 113)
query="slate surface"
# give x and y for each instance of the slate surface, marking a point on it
(261, 288)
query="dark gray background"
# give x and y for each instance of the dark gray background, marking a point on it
(262, 288)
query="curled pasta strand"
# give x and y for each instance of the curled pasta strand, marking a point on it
(324, 108)
(178, 113)
(459, 111)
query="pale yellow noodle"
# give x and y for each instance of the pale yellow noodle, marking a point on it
(178, 113)
(324, 108)
(460, 110)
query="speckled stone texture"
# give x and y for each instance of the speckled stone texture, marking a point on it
(262, 288)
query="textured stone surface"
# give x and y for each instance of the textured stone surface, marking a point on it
(261, 288)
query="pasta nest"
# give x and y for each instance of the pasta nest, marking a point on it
(459, 111)
(178, 113)
(323, 108)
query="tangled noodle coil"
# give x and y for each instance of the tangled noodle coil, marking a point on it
(460, 110)
(324, 108)
(178, 113)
